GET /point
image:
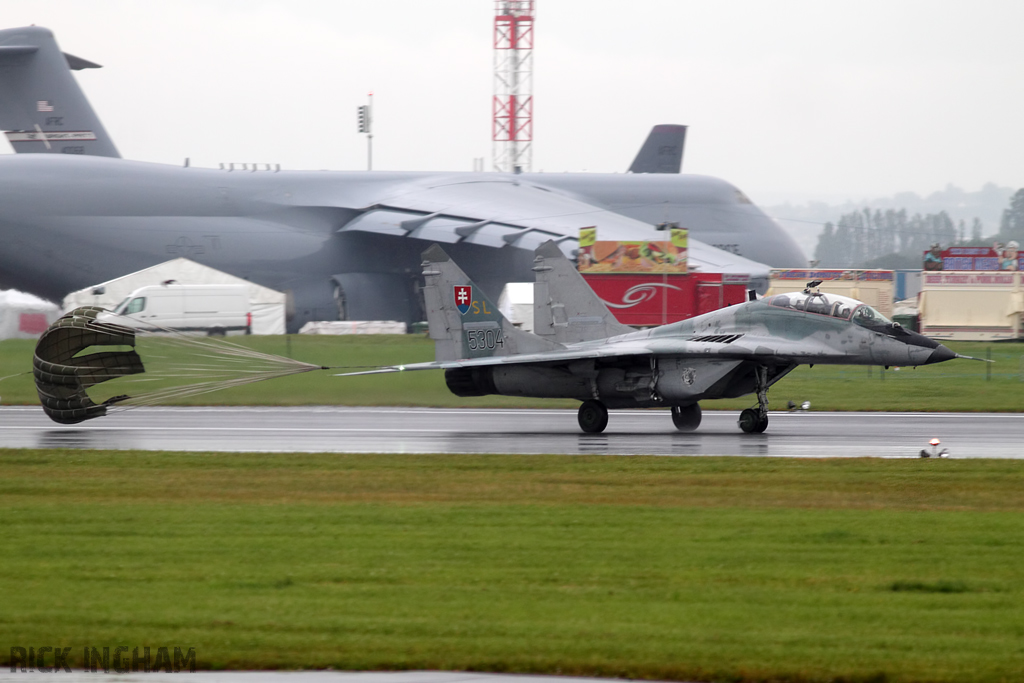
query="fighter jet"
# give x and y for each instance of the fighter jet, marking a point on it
(342, 245)
(581, 352)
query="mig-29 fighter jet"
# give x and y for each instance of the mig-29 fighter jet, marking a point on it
(580, 351)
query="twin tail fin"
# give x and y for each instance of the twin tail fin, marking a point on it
(464, 323)
(565, 309)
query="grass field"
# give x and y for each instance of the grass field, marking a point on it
(957, 385)
(675, 568)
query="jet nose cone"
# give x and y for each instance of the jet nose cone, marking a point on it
(940, 354)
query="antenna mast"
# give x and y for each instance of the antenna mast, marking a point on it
(513, 85)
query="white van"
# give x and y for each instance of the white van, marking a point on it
(203, 309)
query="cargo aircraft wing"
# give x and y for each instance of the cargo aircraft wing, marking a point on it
(506, 211)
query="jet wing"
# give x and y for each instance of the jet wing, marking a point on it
(502, 210)
(543, 358)
(743, 348)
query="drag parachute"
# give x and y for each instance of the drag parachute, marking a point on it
(62, 376)
(176, 365)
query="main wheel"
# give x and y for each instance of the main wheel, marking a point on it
(593, 417)
(751, 421)
(686, 418)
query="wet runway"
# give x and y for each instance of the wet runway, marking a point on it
(425, 430)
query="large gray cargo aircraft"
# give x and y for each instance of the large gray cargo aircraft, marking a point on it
(341, 244)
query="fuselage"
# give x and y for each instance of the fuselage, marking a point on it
(715, 355)
(801, 328)
(68, 222)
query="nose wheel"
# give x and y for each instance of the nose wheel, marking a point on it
(755, 420)
(752, 422)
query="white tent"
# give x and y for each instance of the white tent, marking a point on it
(516, 304)
(23, 316)
(266, 305)
(353, 327)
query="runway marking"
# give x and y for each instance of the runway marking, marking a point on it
(246, 429)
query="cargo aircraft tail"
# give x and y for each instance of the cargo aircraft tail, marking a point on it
(42, 107)
(662, 151)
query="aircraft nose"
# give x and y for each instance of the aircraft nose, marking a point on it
(940, 354)
(915, 339)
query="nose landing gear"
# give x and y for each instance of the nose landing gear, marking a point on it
(755, 420)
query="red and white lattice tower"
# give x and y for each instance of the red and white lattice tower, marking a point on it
(513, 85)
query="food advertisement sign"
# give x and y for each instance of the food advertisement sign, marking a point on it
(636, 257)
(997, 257)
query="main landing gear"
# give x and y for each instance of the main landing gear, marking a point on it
(755, 420)
(593, 416)
(686, 418)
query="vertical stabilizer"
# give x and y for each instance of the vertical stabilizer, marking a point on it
(565, 308)
(662, 151)
(42, 108)
(463, 322)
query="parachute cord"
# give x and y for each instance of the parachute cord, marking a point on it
(148, 398)
(171, 393)
(165, 366)
(29, 372)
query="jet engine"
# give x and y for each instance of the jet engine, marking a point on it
(670, 380)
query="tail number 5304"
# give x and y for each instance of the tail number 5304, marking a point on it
(483, 340)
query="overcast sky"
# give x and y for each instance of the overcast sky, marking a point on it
(786, 99)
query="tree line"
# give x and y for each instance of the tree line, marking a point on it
(894, 239)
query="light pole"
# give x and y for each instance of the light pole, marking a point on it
(365, 113)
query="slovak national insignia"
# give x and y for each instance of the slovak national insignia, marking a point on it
(463, 298)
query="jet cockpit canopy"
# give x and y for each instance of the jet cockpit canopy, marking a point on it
(833, 305)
